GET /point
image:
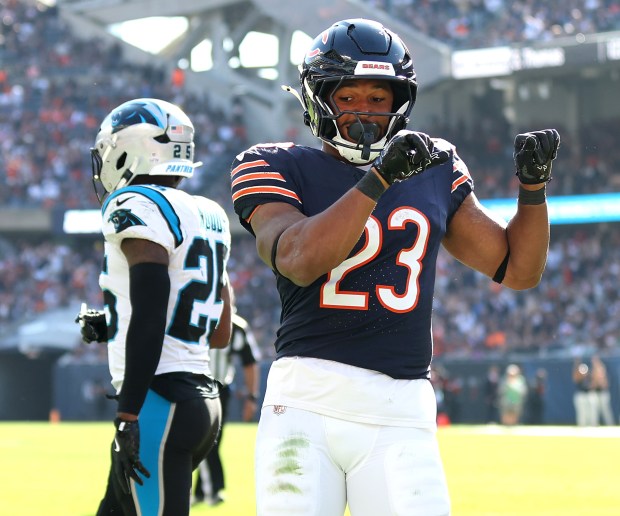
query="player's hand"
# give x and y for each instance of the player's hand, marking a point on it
(126, 454)
(93, 326)
(533, 155)
(408, 153)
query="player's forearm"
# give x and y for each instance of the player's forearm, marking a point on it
(315, 245)
(221, 335)
(149, 288)
(251, 378)
(528, 238)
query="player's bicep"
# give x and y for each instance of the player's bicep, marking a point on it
(268, 222)
(476, 238)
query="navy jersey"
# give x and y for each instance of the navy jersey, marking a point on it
(374, 309)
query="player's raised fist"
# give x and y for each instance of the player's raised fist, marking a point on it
(533, 154)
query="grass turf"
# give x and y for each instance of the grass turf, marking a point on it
(61, 469)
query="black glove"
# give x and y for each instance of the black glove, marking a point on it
(408, 153)
(126, 454)
(93, 325)
(533, 155)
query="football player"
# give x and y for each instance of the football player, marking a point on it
(352, 233)
(167, 301)
(243, 349)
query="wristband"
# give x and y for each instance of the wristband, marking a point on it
(532, 197)
(371, 186)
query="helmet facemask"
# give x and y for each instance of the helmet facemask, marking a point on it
(370, 137)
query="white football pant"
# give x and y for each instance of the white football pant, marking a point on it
(308, 464)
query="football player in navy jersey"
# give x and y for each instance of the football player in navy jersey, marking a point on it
(167, 301)
(352, 233)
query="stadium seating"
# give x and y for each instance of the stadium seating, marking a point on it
(54, 90)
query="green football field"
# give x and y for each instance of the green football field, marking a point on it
(60, 469)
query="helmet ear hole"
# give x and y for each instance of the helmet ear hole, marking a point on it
(120, 162)
(162, 138)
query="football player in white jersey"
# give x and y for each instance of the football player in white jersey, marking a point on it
(167, 301)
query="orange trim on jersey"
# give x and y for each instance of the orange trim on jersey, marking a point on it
(265, 190)
(249, 164)
(458, 182)
(249, 219)
(276, 176)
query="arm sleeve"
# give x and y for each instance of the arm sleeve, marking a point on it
(149, 289)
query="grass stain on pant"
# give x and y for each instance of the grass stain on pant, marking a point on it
(288, 463)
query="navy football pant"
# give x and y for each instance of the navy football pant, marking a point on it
(211, 472)
(174, 439)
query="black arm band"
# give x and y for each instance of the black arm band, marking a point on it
(274, 252)
(501, 270)
(149, 289)
(371, 186)
(532, 197)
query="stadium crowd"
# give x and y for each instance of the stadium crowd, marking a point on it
(468, 24)
(49, 108)
(576, 305)
(54, 88)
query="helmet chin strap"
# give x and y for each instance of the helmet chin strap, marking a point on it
(365, 134)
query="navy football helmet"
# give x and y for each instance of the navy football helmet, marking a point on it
(355, 49)
(142, 137)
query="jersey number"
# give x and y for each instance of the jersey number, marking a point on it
(178, 151)
(332, 296)
(189, 323)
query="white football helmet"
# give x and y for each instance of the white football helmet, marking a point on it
(142, 137)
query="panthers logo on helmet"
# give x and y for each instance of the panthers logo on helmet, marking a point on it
(123, 219)
(135, 113)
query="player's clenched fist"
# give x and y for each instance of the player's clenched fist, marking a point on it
(93, 325)
(533, 154)
(408, 153)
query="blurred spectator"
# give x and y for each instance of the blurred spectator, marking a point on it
(599, 389)
(581, 398)
(535, 406)
(491, 392)
(512, 395)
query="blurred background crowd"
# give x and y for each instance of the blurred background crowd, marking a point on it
(54, 90)
(467, 24)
